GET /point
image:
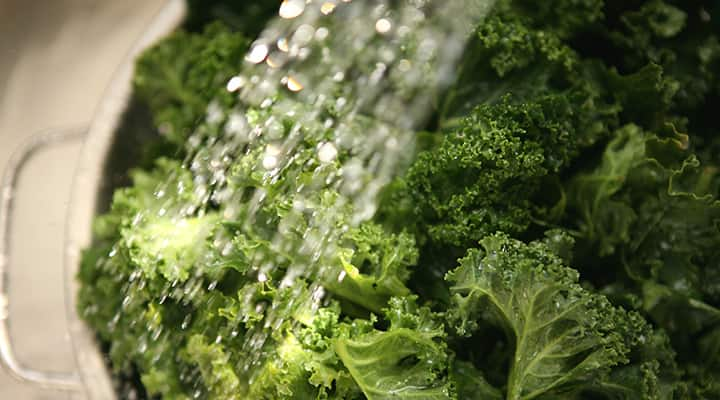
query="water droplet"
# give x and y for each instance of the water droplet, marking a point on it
(273, 149)
(327, 152)
(237, 124)
(214, 113)
(340, 103)
(291, 8)
(387, 55)
(303, 53)
(276, 59)
(327, 7)
(270, 161)
(293, 84)
(235, 83)
(266, 103)
(383, 26)
(274, 128)
(283, 45)
(403, 31)
(318, 294)
(298, 205)
(303, 35)
(322, 33)
(378, 73)
(258, 53)
(392, 143)
(426, 49)
(186, 322)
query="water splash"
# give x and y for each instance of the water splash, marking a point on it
(355, 79)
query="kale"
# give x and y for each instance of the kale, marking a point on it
(556, 233)
(566, 339)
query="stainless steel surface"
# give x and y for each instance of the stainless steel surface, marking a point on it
(45, 379)
(56, 59)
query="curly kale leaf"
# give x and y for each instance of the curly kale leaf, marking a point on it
(408, 361)
(650, 213)
(140, 221)
(484, 174)
(564, 17)
(512, 45)
(505, 55)
(602, 218)
(471, 384)
(179, 77)
(566, 339)
(375, 265)
(681, 37)
(319, 356)
(650, 202)
(298, 369)
(215, 367)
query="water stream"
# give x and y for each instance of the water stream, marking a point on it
(330, 97)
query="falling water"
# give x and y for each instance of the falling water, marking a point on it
(355, 79)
